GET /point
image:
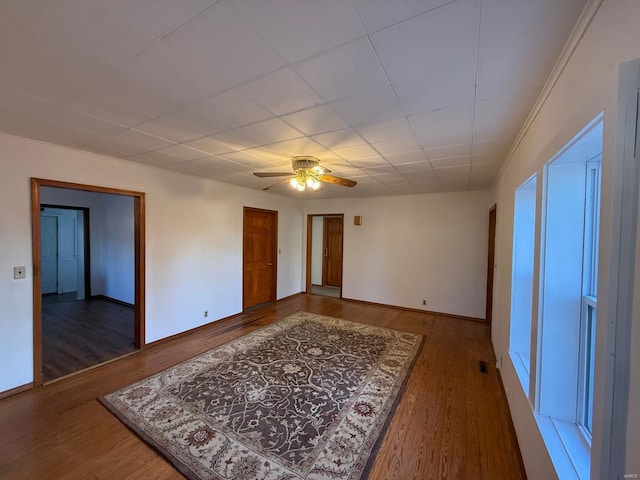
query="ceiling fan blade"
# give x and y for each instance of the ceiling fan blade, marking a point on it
(275, 184)
(345, 182)
(273, 174)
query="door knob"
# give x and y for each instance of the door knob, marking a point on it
(269, 264)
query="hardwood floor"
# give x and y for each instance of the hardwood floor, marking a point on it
(77, 334)
(451, 423)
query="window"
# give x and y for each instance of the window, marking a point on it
(565, 340)
(524, 220)
(589, 297)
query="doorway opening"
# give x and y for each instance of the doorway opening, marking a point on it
(88, 286)
(259, 257)
(325, 241)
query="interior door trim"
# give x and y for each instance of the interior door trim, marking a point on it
(310, 217)
(139, 262)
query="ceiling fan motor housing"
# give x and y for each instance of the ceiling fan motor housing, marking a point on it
(304, 162)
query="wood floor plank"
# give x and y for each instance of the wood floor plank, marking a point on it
(452, 422)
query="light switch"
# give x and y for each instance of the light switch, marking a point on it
(19, 272)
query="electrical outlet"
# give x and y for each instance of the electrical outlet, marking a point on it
(19, 272)
(205, 314)
(424, 302)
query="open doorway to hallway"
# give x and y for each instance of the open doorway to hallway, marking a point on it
(324, 254)
(88, 276)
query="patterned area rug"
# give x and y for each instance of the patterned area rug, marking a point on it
(307, 397)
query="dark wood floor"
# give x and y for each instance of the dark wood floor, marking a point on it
(451, 423)
(77, 334)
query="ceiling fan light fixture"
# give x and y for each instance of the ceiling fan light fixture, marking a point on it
(297, 183)
(313, 183)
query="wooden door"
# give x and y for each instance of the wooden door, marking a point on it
(259, 257)
(490, 263)
(332, 248)
(49, 253)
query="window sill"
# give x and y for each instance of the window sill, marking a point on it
(570, 454)
(522, 371)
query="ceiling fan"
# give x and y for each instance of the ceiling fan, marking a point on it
(307, 172)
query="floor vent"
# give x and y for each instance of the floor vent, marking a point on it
(483, 367)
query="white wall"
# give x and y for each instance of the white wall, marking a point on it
(316, 250)
(588, 85)
(118, 249)
(193, 243)
(415, 247)
(111, 238)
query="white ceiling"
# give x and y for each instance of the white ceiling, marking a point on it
(403, 96)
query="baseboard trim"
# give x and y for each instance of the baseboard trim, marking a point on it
(222, 325)
(114, 300)
(16, 390)
(417, 310)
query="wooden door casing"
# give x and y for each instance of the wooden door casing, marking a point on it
(259, 250)
(332, 249)
(490, 264)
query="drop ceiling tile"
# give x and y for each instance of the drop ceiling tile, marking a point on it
(346, 137)
(249, 160)
(489, 158)
(176, 128)
(369, 162)
(156, 158)
(129, 100)
(211, 115)
(299, 29)
(512, 31)
(94, 103)
(497, 147)
(346, 71)
(489, 170)
(158, 18)
(209, 145)
(449, 151)
(445, 41)
(174, 75)
(86, 26)
(383, 170)
(18, 110)
(316, 120)
(407, 157)
(451, 162)
(454, 185)
(71, 118)
(377, 14)
(62, 70)
(291, 148)
(356, 152)
(281, 92)
(130, 142)
(411, 168)
(261, 133)
(457, 173)
(181, 153)
(371, 107)
(210, 167)
(219, 37)
(428, 187)
(444, 128)
(58, 134)
(397, 147)
(498, 118)
(398, 128)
